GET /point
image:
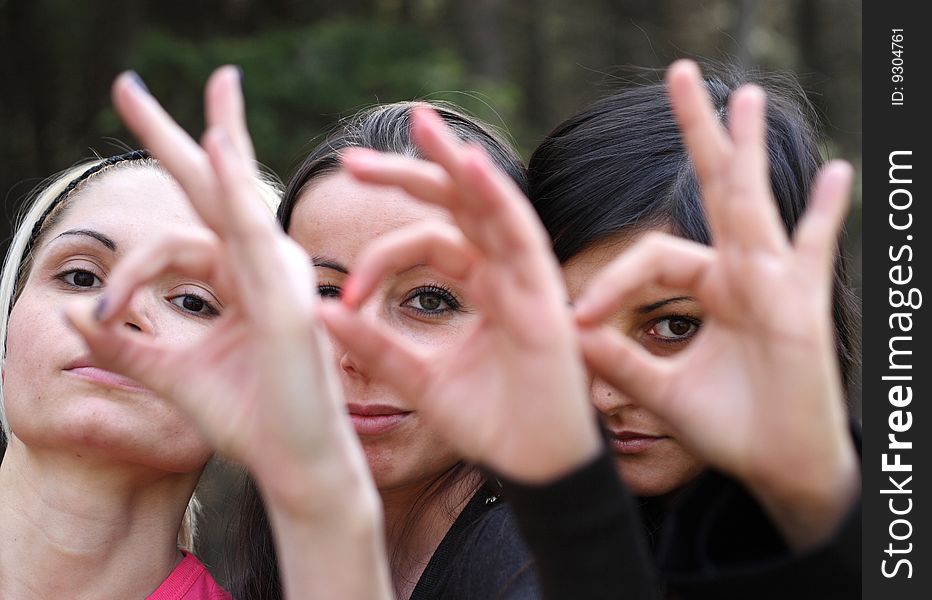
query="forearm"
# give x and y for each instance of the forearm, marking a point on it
(585, 533)
(339, 554)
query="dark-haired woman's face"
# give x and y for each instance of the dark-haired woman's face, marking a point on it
(334, 220)
(649, 458)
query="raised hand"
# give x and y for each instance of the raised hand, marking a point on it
(260, 383)
(757, 393)
(513, 394)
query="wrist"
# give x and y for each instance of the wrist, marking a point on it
(333, 484)
(808, 504)
(574, 448)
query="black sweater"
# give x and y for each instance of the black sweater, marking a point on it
(585, 538)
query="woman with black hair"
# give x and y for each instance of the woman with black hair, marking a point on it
(780, 511)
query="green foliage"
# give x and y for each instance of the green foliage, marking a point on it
(299, 81)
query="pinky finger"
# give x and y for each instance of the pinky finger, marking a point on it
(817, 234)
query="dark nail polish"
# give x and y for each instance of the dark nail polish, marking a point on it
(138, 81)
(100, 309)
(241, 73)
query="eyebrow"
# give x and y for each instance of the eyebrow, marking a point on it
(329, 263)
(649, 308)
(104, 240)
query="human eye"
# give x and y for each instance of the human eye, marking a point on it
(195, 303)
(432, 301)
(80, 279)
(329, 291)
(674, 328)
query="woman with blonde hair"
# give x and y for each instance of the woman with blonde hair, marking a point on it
(100, 467)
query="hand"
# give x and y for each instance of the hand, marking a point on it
(513, 394)
(260, 383)
(757, 393)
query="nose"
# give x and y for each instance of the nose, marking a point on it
(137, 315)
(350, 366)
(606, 399)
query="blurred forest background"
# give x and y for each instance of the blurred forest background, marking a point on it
(522, 65)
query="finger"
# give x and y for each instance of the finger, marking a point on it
(224, 107)
(656, 259)
(269, 265)
(708, 144)
(625, 365)
(186, 254)
(751, 212)
(429, 182)
(248, 214)
(121, 350)
(437, 245)
(171, 144)
(816, 237)
(438, 143)
(424, 180)
(513, 228)
(435, 140)
(384, 355)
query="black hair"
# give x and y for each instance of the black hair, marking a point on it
(387, 128)
(620, 166)
(252, 567)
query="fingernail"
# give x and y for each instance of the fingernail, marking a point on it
(241, 73)
(582, 308)
(100, 311)
(136, 79)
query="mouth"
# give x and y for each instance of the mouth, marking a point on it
(633, 442)
(376, 419)
(86, 370)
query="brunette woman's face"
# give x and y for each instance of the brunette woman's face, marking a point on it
(648, 457)
(55, 397)
(334, 220)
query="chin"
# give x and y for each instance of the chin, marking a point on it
(107, 435)
(650, 481)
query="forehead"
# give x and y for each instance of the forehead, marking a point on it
(129, 203)
(338, 216)
(582, 267)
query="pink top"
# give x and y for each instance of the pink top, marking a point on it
(190, 581)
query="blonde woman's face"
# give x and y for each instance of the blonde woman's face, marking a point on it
(55, 397)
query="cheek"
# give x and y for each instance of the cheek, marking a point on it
(32, 350)
(434, 334)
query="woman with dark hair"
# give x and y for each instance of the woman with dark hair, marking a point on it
(448, 534)
(784, 514)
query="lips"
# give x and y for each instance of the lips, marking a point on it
(376, 419)
(85, 369)
(633, 442)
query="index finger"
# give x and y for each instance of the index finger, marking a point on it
(706, 140)
(170, 144)
(224, 107)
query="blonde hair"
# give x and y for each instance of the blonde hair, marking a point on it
(41, 211)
